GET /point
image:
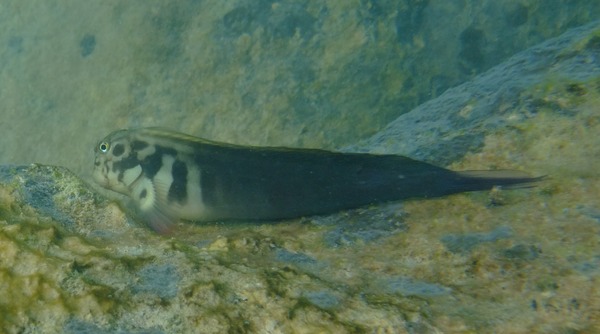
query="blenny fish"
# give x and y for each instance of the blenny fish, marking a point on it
(173, 176)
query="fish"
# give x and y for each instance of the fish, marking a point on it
(174, 177)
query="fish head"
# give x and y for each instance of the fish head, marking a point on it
(117, 166)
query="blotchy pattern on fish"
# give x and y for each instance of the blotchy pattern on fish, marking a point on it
(173, 176)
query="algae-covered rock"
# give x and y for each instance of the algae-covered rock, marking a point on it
(444, 129)
(511, 261)
(72, 262)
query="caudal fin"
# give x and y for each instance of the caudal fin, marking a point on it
(486, 179)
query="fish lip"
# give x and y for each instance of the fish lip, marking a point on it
(100, 179)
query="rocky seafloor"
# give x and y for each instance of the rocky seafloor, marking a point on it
(505, 261)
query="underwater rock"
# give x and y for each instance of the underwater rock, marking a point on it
(58, 195)
(161, 280)
(322, 299)
(444, 129)
(363, 225)
(523, 252)
(74, 262)
(409, 287)
(464, 243)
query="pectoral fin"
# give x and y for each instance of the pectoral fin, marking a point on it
(155, 213)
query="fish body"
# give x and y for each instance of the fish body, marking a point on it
(173, 176)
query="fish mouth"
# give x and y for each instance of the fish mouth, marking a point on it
(98, 174)
(100, 178)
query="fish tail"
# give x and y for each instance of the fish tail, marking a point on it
(487, 179)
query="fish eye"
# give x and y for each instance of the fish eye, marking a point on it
(103, 147)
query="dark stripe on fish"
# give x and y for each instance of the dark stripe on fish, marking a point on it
(178, 189)
(138, 145)
(152, 163)
(124, 164)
